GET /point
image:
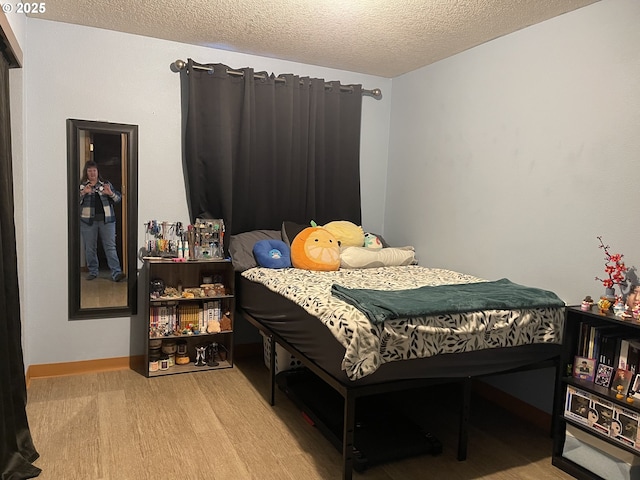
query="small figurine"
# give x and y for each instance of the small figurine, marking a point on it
(213, 353)
(225, 321)
(619, 395)
(619, 307)
(213, 326)
(587, 303)
(604, 304)
(201, 352)
(627, 314)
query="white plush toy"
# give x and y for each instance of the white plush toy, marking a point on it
(371, 241)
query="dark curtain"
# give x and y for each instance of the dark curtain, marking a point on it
(17, 447)
(261, 151)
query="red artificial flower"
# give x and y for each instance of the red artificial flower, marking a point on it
(614, 267)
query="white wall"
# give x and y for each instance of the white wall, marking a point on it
(507, 160)
(92, 74)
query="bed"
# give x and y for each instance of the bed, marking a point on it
(338, 341)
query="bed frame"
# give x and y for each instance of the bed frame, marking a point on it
(351, 393)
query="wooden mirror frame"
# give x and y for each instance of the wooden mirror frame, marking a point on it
(130, 213)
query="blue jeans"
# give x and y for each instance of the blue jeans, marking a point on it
(107, 233)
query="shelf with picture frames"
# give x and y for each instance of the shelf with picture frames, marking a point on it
(597, 399)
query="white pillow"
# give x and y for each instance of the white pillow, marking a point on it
(362, 257)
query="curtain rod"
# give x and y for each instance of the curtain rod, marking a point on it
(181, 65)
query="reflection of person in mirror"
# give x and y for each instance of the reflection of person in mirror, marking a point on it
(98, 219)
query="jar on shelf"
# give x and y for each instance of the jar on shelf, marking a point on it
(164, 362)
(154, 361)
(169, 347)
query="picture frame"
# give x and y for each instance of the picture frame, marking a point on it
(622, 379)
(634, 388)
(584, 368)
(604, 375)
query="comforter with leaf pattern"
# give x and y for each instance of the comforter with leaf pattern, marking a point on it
(369, 345)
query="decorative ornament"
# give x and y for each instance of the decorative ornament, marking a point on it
(587, 303)
(201, 352)
(619, 307)
(604, 304)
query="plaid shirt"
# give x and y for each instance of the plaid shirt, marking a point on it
(88, 210)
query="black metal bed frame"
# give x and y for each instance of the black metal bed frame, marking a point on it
(351, 393)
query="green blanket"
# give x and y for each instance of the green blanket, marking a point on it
(381, 305)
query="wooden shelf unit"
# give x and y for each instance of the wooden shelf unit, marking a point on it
(190, 274)
(574, 318)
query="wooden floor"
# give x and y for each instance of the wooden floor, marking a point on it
(217, 425)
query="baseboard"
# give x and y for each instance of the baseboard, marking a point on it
(514, 405)
(81, 367)
(135, 362)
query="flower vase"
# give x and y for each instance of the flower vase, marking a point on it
(610, 294)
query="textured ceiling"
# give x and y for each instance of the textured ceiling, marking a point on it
(378, 37)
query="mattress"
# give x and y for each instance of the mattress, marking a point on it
(299, 315)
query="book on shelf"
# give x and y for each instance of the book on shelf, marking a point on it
(623, 353)
(633, 357)
(592, 342)
(629, 354)
(608, 345)
(590, 338)
(616, 355)
(214, 311)
(210, 314)
(583, 339)
(164, 318)
(188, 315)
(600, 335)
(153, 318)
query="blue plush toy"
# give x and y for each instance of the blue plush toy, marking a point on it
(272, 254)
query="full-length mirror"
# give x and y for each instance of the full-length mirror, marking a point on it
(103, 216)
